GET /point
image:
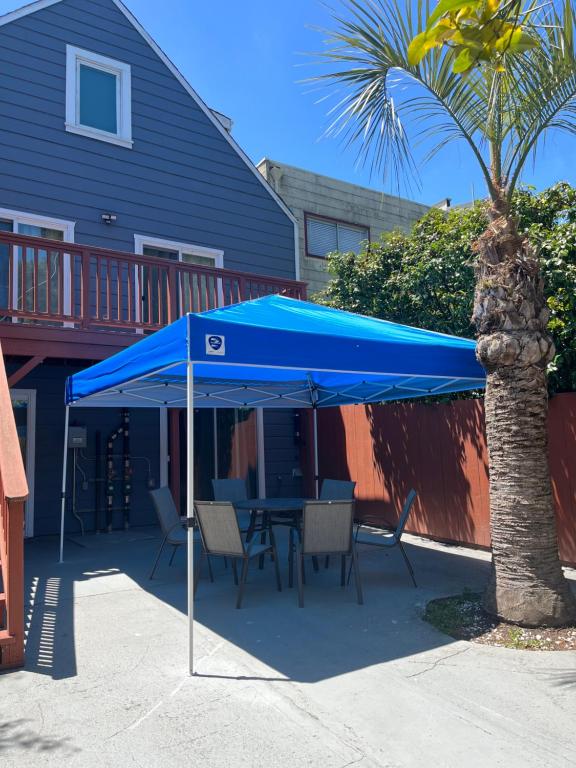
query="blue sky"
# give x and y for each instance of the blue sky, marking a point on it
(246, 59)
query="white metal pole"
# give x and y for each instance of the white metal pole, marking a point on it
(316, 478)
(63, 497)
(215, 431)
(190, 508)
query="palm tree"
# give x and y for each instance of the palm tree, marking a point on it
(498, 77)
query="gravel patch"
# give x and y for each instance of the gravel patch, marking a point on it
(463, 618)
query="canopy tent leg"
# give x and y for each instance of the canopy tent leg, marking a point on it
(316, 477)
(64, 470)
(190, 507)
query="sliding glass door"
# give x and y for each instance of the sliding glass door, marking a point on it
(225, 445)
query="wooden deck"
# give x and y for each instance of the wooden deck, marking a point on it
(67, 300)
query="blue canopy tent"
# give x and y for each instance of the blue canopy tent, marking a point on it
(272, 352)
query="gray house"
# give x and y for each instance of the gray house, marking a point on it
(124, 202)
(334, 215)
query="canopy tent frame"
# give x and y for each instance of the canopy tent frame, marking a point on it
(203, 360)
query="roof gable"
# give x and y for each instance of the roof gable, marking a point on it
(41, 4)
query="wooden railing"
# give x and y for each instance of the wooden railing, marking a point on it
(13, 495)
(94, 288)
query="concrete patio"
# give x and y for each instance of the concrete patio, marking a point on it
(332, 685)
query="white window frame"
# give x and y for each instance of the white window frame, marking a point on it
(141, 241)
(30, 458)
(122, 71)
(33, 220)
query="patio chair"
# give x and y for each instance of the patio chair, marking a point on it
(171, 525)
(221, 537)
(327, 529)
(393, 538)
(233, 489)
(336, 490)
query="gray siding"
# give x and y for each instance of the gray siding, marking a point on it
(180, 181)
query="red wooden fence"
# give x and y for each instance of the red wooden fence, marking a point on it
(441, 451)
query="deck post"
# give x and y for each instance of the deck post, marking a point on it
(63, 497)
(190, 506)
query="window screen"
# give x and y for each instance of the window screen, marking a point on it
(351, 238)
(324, 237)
(98, 99)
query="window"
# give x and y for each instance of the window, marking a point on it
(98, 97)
(22, 270)
(197, 290)
(167, 249)
(36, 226)
(326, 235)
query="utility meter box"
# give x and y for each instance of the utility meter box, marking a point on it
(77, 437)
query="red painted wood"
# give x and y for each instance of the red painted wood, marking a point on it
(441, 451)
(13, 494)
(99, 307)
(24, 370)
(97, 276)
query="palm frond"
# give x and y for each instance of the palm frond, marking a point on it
(546, 90)
(386, 107)
(377, 94)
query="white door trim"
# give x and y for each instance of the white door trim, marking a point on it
(36, 220)
(141, 241)
(30, 459)
(163, 447)
(172, 245)
(261, 453)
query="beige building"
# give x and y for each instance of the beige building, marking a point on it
(334, 215)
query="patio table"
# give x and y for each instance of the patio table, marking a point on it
(271, 505)
(289, 508)
(283, 507)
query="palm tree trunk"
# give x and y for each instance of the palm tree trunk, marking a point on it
(527, 585)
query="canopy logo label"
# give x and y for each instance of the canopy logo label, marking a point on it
(215, 345)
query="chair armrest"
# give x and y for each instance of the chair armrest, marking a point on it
(181, 524)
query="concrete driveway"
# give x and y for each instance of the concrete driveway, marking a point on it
(331, 685)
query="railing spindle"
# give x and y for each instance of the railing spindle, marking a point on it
(166, 289)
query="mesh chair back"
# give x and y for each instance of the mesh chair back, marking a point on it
(219, 527)
(327, 527)
(168, 516)
(233, 489)
(410, 499)
(337, 489)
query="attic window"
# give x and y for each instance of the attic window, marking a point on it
(98, 97)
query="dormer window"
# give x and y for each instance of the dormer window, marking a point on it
(98, 97)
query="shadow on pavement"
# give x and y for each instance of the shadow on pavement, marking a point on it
(332, 635)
